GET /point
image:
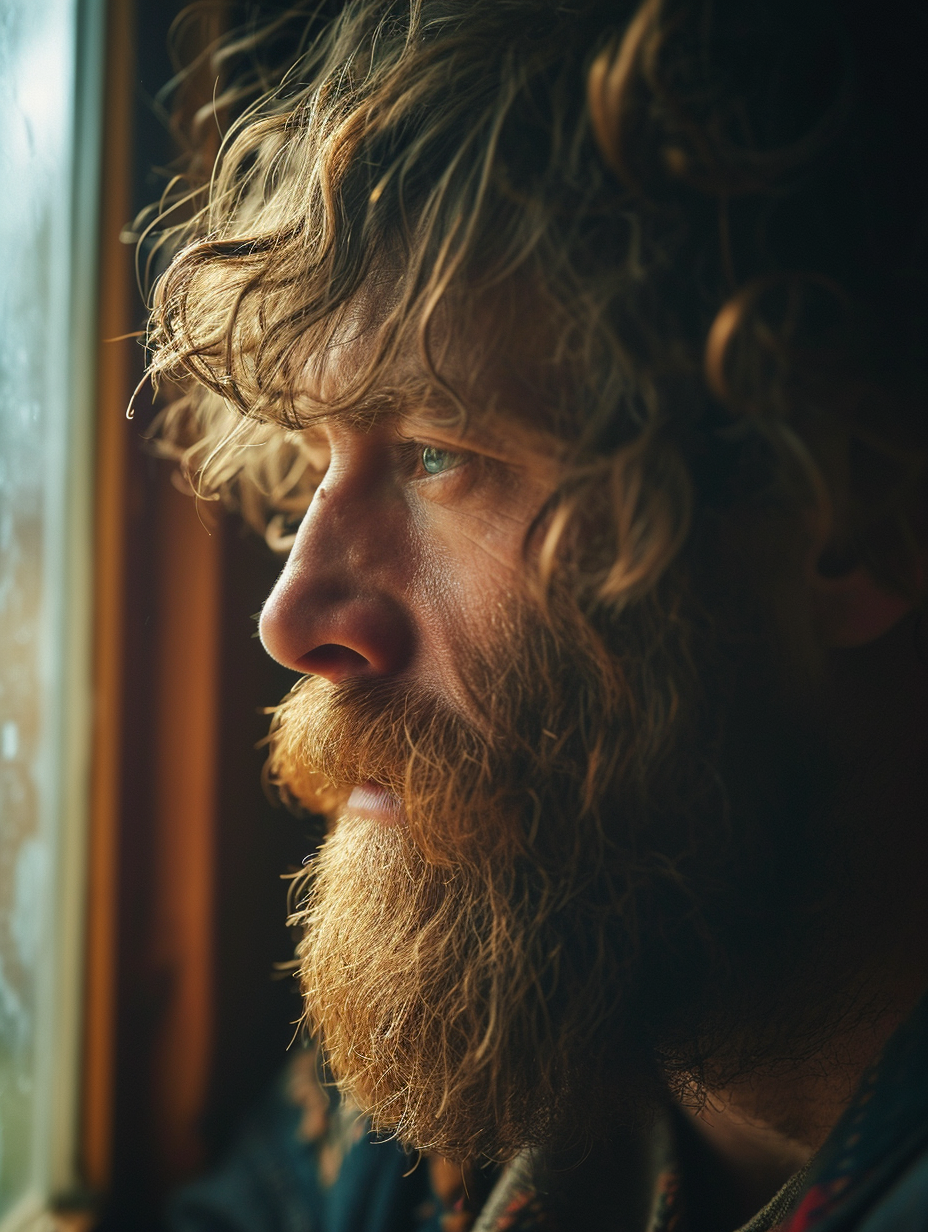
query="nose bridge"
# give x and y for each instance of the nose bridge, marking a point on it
(343, 545)
(338, 607)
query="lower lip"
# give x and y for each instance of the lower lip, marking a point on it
(375, 803)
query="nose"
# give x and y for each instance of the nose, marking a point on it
(337, 609)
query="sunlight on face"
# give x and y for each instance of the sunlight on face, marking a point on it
(415, 536)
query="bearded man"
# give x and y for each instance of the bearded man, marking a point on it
(581, 349)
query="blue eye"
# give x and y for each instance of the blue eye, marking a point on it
(434, 460)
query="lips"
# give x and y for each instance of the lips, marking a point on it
(374, 802)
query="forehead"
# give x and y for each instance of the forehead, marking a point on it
(482, 359)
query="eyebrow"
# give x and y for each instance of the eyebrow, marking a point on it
(475, 430)
(420, 413)
(422, 410)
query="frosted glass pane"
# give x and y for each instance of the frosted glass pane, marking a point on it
(37, 75)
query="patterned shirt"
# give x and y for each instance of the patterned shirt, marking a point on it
(307, 1162)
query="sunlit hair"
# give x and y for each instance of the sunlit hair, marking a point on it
(716, 221)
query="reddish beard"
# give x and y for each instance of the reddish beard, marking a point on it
(502, 966)
(455, 965)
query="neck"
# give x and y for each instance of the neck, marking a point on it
(752, 1135)
(761, 1130)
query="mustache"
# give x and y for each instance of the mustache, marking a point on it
(326, 739)
(537, 736)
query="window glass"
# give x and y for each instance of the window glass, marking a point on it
(44, 561)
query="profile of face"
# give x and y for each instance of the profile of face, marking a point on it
(525, 886)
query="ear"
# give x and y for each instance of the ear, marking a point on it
(853, 609)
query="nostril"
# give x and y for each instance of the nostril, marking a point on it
(334, 662)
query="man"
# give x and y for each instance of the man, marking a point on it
(585, 344)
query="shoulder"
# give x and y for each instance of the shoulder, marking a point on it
(904, 1206)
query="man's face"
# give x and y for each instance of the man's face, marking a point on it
(415, 537)
(528, 881)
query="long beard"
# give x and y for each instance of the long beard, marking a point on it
(501, 966)
(449, 1006)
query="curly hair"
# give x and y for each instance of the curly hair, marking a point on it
(719, 210)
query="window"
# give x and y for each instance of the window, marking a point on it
(50, 83)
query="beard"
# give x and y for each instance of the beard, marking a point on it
(577, 903)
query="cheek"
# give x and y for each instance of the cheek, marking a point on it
(468, 570)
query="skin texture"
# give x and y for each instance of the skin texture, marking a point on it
(390, 557)
(392, 563)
